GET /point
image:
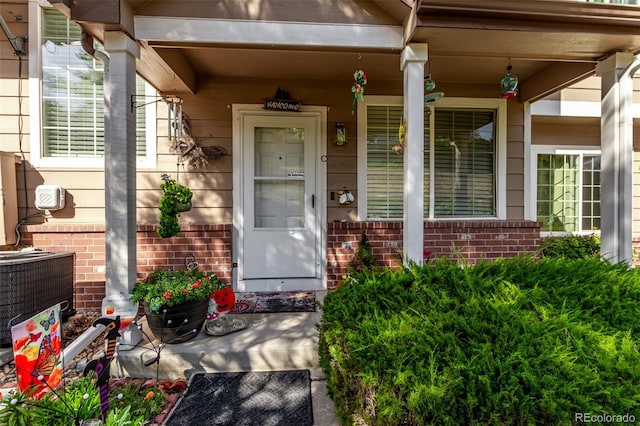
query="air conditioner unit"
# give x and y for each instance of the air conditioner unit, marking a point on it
(49, 197)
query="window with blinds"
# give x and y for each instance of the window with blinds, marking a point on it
(568, 191)
(463, 151)
(384, 166)
(72, 94)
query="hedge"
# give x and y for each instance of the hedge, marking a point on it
(517, 341)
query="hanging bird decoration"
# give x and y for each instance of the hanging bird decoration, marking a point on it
(358, 88)
(188, 148)
(402, 134)
(101, 365)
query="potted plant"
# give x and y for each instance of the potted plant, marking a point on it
(176, 198)
(175, 302)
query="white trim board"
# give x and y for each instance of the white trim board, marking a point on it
(571, 108)
(269, 33)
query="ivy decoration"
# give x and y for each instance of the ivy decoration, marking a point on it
(360, 81)
(175, 198)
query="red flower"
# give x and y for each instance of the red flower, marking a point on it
(31, 326)
(167, 295)
(185, 291)
(24, 368)
(197, 283)
(55, 345)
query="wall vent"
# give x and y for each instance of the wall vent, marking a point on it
(49, 197)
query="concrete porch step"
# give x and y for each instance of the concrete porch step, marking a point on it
(278, 341)
(273, 341)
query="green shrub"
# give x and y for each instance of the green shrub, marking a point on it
(571, 246)
(515, 341)
(363, 258)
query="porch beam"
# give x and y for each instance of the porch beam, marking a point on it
(413, 58)
(120, 163)
(168, 70)
(157, 29)
(554, 78)
(616, 146)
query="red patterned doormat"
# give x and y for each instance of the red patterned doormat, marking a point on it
(287, 301)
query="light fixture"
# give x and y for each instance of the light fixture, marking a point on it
(341, 134)
(17, 43)
(509, 84)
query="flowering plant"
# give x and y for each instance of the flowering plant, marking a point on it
(168, 288)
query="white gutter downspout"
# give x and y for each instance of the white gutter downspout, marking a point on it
(616, 74)
(87, 45)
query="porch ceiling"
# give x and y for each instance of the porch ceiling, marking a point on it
(447, 69)
(551, 43)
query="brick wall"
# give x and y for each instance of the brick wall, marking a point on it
(472, 240)
(210, 245)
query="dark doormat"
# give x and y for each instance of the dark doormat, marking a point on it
(283, 301)
(247, 398)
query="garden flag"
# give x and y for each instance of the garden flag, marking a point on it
(36, 349)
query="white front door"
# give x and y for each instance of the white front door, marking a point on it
(278, 210)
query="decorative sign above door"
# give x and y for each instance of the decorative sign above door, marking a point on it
(282, 102)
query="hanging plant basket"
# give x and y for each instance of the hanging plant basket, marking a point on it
(176, 199)
(183, 207)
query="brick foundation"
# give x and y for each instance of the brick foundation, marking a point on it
(210, 245)
(472, 240)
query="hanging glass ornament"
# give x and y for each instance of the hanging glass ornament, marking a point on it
(509, 84)
(429, 84)
(432, 97)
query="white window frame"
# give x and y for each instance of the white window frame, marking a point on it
(557, 150)
(35, 100)
(500, 105)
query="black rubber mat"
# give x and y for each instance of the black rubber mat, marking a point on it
(246, 398)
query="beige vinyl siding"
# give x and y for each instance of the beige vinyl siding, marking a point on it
(565, 131)
(210, 115)
(10, 82)
(14, 107)
(515, 160)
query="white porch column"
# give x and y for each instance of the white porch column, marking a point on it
(412, 63)
(120, 163)
(616, 145)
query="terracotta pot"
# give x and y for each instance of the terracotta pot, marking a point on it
(177, 323)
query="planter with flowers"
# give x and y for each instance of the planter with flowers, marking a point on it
(175, 302)
(176, 198)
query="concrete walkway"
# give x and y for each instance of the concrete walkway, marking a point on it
(271, 342)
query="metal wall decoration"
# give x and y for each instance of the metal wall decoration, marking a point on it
(188, 148)
(282, 102)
